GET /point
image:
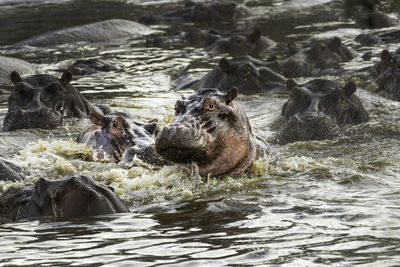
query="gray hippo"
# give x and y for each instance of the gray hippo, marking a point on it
(374, 38)
(387, 73)
(42, 101)
(74, 196)
(90, 66)
(9, 64)
(317, 109)
(10, 172)
(213, 131)
(312, 61)
(249, 75)
(104, 31)
(118, 138)
(240, 43)
(199, 12)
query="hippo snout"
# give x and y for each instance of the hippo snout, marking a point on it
(33, 118)
(180, 142)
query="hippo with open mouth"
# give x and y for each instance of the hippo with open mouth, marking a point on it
(42, 101)
(213, 131)
(317, 109)
(117, 138)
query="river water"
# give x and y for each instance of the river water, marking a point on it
(333, 203)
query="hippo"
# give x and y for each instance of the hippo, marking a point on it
(9, 64)
(317, 109)
(312, 61)
(213, 131)
(74, 196)
(195, 37)
(117, 138)
(247, 74)
(42, 101)
(387, 73)
(212, 12)
(10, 172)
(239, 43)
(90, 66)
(99, 32)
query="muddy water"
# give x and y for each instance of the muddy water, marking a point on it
(311, 203)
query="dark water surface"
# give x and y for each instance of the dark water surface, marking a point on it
(332, 203)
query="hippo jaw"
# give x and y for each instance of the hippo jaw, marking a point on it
(43, 118)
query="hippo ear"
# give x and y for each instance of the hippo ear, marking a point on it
(224, 65)
(231, 95)
(290, 84)
(335, 43)
(97, 119)
(15, 77)
(254, 36)
(385, 56)
(66, 78)
(349, 88)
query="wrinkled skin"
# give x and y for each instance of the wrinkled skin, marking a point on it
(99, 32)
(89, 66)
(116, 137)
(316, 111)
(212, 12)
(74, 196)
(9, 172)
(312, 61)
(242, 44)
(387, 73)
(212, 131)
(42, 101)
(247, 74)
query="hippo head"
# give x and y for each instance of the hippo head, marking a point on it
(197, 37)
(246, 75)
(330, 52)
(211, 130)
(316, 110)
(36, 102)
(89, 66)
(387, 73)
(114, 134)
(216, 10)
(74, 196)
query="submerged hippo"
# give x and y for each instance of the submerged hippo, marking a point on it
(211, 130)
(116, 137)
(42, 101)
(247, 74)
(239, 43)
(9, 64)
(317, 109)
(104, 31)
(212, 12)
(312, 61)
(374, 38)
(89, 66)
(74, 196)
(387, 73)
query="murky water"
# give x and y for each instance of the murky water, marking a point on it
(333, 202)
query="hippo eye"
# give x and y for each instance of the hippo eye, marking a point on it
(115, 124)
(211, 106)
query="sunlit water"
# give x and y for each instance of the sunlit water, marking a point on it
(319, 203)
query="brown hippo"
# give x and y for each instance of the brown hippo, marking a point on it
(312, 61)
(317, 109)
(247, 74)
(42, 101)
(387, 73)
(118, 138)
(213, 131)
(210, 12)
(74, 196)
